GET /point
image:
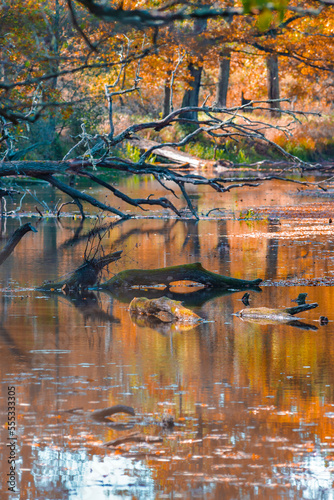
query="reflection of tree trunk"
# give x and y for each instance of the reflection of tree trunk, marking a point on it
(223, 77)
(191, 96)
(192, 237)
(272, 254)
(14, 239)
(273, 83)
(223, 248)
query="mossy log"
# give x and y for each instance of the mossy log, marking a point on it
(84, 276)
(166, 275)
(14, 240)
(278, 315)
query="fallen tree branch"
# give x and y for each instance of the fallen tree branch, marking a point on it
(258, 313)
(85, 275)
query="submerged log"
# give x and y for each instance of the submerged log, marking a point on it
(165, 309)
(102, 415)
(166, 275)
(84, 276)
(278, 315)
(14, 240)
(135, 437)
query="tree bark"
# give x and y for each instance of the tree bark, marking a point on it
(166, 104)
(273, 84)
(191, 96)
(223, 78)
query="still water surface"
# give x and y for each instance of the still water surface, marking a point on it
(253, 404)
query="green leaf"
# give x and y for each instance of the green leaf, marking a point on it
(264, 20)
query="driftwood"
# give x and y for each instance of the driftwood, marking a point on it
(84, 276)
(171, 154)
(164, 309)
(277, 315)
(166, 275)
(14, 240)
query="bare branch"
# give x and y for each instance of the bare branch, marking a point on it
(77, 27)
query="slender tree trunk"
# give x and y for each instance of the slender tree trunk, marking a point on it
(191, 96)
(273, 84)
(223, 77)
(166, 104)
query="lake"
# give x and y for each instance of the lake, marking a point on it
(252, 402)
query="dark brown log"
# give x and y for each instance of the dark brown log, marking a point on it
(300, 308)
(14, 240)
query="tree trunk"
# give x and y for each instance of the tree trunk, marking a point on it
(167, 93)
(223, 77)
(273, 84)
(191, 96)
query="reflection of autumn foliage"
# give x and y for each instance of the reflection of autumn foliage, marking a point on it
(251, 403)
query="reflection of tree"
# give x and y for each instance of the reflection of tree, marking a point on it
(192, 239)
(192, 299)
(12, 347)
(88, 304)
(223, 247)
(272, 253)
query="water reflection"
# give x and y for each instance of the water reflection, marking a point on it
(253, 404)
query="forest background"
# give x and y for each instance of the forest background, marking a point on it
(62, 63)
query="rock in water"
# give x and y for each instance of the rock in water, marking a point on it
(165, 309)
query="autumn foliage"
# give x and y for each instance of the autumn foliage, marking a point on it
(57, 57)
